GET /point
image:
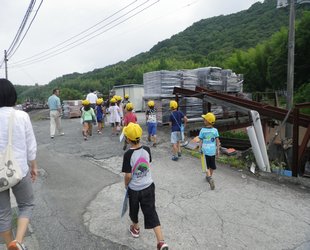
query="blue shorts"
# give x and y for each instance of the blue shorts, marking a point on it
(176, 137)
(152, 128)
(100, 118)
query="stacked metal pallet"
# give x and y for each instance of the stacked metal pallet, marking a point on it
(158, 86)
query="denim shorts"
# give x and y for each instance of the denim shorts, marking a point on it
(152, 128)
(175, 137)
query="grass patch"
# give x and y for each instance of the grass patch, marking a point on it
(232, 161)
(194, 153)
(235, 135)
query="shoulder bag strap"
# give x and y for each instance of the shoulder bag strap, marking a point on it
(10, 125)
(175, 120)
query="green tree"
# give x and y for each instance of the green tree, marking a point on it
(302, 51)
(302, 96)
(70, 94)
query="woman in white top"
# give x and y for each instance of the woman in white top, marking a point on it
(24, 149)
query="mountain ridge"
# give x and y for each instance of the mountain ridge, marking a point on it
(207, 42)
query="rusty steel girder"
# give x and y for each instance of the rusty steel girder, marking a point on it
(238, 103)
(263, 109)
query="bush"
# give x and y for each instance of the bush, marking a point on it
(303, 95)
(235, 135)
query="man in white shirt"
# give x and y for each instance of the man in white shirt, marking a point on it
(92, 98)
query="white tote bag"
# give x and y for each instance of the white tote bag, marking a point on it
(10, 172)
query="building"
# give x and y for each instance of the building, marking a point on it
(135, 92)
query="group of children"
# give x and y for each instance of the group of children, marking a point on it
(89, 116)
(137, 159)
(95, 114)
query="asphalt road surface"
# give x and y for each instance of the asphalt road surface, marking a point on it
(69, 181)
(80, 190)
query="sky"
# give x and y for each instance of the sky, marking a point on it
(80, 36)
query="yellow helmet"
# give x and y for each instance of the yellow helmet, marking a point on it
(133, 131)
(113, 100)
(209, 117)
(151, 103)
(126, 96)
(129, 106)
(99, 101)
(118, 98)
(173, 105)
(85, 102)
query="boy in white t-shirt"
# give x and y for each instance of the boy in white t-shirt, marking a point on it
(140, 185)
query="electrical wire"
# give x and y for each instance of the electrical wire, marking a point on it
(21, 27)
(79, 42)
(63, 49)
(19, 32)
(71, 38)
(10, 56)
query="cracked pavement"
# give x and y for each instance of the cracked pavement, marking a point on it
(243, 212)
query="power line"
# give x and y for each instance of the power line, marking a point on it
(79, 42)
(10, 56)
(71, 38)
(12, 48)
(21, 27)
(63, 48)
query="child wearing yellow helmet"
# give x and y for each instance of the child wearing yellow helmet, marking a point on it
(115, 119)
(177, 122)
(140, 185)
(119, 103)
(99, 115)
(151, 122)
(129, 117)
(209, 145)
(88, 117)
(125, 102)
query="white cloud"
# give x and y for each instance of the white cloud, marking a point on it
(59, 20)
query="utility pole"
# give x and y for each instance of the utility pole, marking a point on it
(290, 65)
(6, 64)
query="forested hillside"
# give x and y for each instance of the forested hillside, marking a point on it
(226, 41)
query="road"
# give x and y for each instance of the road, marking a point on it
(80, 191)
(69, 182)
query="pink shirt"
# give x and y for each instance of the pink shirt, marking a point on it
(130, 117)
